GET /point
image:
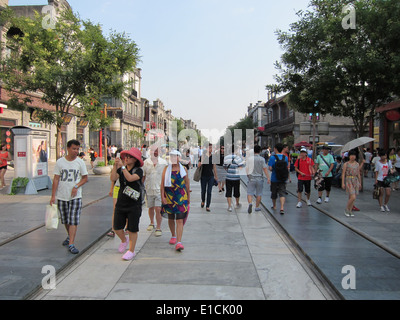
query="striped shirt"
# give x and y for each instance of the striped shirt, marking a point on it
(232, 163)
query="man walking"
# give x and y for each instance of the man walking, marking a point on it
(152, 172)
(70, 174)
(325, 163)
(304, 168)
(232, 163)
(278, 165)
(255, 169)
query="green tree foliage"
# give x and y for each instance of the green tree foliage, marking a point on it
(71, 66)
(350, 71)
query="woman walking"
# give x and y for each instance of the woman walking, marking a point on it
(175, 198)
(128, 208)
(208, 176)
(382, 169)
(351, 182)
(4, 157)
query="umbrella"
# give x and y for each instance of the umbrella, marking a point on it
(302, 144)
(356, 143)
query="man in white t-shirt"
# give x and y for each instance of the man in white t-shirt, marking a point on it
(367, 165)
(70, 174)
(152, 172)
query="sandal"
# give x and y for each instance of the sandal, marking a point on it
(111, 234)
(150, 227)
(282, 212)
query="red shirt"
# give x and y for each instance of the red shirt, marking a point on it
(304, 166)
(3, 159)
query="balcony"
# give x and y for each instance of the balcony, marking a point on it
(280, 125)
(128, 118)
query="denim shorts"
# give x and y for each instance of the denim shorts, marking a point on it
(255, 188)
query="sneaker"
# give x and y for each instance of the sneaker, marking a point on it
(257, 209)
(230, 209)
(351, 214)
(122, 246)
(150, 227)
(250, 209)
(73, 249)
(172, 240)
(129, 255)
(346, 213)
(383, 209)
(179, 247)
(299, 205)
(308, 202)
(326, 199)
(319, 201)
(239, 205)
(386, 208)
(158, 233)
(66, 242)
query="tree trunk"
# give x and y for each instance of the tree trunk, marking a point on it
(58, 143)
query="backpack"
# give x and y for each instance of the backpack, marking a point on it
(95, 154)
(281, 168)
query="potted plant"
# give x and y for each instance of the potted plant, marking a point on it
(101, 168)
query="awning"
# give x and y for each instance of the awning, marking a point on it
(390, 106)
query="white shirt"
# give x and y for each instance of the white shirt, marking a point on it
(383, 169)
(368, 157)
(153, 175)
(70, 173)
(397, 164)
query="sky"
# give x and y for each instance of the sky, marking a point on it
(207, 60)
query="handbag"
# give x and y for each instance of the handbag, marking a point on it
(197, 174)
(376, 192)
(52, 217)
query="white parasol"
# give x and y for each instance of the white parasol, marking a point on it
(356, 143)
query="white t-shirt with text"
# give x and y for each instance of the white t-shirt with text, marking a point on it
(70, 173)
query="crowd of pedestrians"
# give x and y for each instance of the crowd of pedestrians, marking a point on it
(161, 180)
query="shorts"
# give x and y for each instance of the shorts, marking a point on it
(115, 192)
(5, 167)
(327, 184)
(70, 211)
(153, 201)
(304, 183)
(132, 214)
(232, 185)
(367, 166)
(382, 184)
(255, 188)
(278, 188)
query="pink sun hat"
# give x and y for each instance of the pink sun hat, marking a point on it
(134, 152)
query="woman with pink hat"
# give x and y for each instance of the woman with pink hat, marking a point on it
(128, 208)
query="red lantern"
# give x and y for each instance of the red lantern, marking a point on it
(393, 115)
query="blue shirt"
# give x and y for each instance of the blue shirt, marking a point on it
(271, 163)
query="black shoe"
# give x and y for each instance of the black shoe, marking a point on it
(202, 204)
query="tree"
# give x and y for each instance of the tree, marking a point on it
(348, 71)
(72, 66)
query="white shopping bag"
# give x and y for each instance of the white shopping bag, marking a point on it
(51, 220)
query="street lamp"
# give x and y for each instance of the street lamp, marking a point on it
(314, 121)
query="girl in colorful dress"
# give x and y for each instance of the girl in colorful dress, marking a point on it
(351, 181)
(175, 198)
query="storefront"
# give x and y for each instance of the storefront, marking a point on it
(390, 124)
(6, 135)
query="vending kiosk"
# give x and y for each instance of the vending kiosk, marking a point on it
(31, 158)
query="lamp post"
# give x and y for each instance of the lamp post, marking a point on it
(314, 121)
(105, 136)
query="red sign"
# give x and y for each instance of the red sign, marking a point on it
(21, 154)
(393, 115)
(40, 172)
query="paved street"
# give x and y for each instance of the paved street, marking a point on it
(227, 255)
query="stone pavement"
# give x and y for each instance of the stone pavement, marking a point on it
(227, 256)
